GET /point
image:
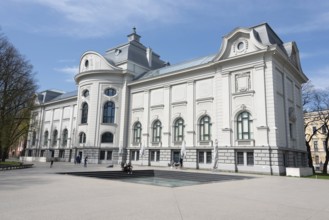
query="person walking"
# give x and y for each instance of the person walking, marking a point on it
(51, 162)
(86, 160)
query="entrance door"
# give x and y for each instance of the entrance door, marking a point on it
(176, 156)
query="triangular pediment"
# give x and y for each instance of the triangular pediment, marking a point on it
(239, 42)
(92, 61)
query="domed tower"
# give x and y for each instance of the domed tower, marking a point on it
(103, 96)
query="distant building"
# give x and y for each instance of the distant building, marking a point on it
(246, 98)
(317, 143)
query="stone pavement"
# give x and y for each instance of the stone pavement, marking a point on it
(39, 193)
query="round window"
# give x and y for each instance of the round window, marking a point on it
(110, 92)
(240, 46)
(85, 93)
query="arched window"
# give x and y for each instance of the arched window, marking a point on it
(82, 138)
(137, 132)
(110, 92)
(45, 138)
(107, 137)
(65, 136)
(205, 128)
(34, 137)
(55, 136)
(179, 130)
(156, 131)
(108, 112)
(244, 126)
(84, 113)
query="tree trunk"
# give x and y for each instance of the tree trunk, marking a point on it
(309, 156)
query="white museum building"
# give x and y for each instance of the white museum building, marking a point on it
(238, 110)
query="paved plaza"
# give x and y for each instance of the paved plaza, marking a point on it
(40, 193)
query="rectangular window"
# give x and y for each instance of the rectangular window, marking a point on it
(155, 155)
(152, 155)
(291, 130)
(134, 155)
(250, 158)
(209, 157)
(158, 156)
(324, 129)
(314, 129)
(102, 155)
(42, 153)
(324, 145)
(61, 154)
(201, 156)
(315, 145)
(239, 157)
(109, 155)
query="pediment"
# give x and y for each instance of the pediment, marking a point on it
(239, 42)
(91, 61)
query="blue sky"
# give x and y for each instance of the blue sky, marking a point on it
(53, 34)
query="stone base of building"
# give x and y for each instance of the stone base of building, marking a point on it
(299, 171)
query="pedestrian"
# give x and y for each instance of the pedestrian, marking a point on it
(51, 162)
(86, 159)
(181, 162)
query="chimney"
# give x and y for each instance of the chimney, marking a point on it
(149, 56)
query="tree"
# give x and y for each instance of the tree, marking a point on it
(316, 102)
(17, 95)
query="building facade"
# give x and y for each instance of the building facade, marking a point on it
(316, 133)
(243, 102)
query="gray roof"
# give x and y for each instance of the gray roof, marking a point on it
(65, 96)
(176, 67)
(133, 51)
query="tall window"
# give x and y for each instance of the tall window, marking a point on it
(205, 128)
(107, 137)
(315, 144)
(55, 136)
(244, 125)
(137, 132)
(314, 129)
(45, 138)
(324, 129)
(156, 131)
(34, 137)
(110, 92)
(84, 113)
(108, 112)
(179, 130)
(64, 139)
(250, 158)
(240, 158)
(82, 138)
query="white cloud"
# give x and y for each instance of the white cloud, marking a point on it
(85, 18)
(70, 72)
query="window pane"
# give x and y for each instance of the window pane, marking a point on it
(250, 158)
(109, 155)
(240, 158)
(209, 158)
(201, 157)
(158, 156)
(102, 155)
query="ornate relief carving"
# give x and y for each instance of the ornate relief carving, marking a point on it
(242, 82)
